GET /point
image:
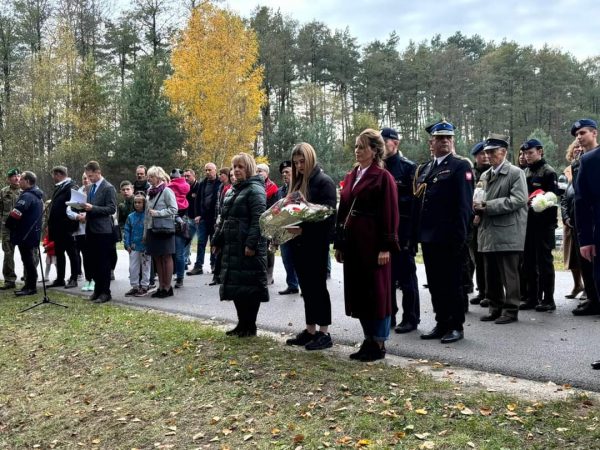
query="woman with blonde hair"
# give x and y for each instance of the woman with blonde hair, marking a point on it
(570, 247)
(310, 249)
(161, 203)
(243, 272)
(367, 225)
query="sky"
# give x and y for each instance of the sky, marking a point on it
(570, 25)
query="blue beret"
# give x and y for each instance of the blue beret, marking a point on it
(389, 133)
(442, 128)
(284, 165)
(582, 123)
(531, 143)
(477, 148)
(494, 143)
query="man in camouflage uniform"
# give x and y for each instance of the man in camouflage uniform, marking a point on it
(8, 197)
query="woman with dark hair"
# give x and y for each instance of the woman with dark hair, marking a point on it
(367, 225)
(225, 179)
(161, 203)
(243, 249)
(310, 249)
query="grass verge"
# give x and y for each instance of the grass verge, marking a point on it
(109, 377)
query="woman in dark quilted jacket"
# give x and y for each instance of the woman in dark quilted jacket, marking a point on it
(243, 249)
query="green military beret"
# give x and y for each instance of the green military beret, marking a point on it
(12, 172)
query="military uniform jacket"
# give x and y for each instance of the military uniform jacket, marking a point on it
(587, 199)
(403, 171)
(504, 221)
(24, 220)
(8, 199)
(445, 196)
(541, 175)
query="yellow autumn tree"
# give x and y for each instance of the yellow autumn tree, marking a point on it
(216, 85)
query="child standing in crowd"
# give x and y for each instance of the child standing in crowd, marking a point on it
(50, 256)
(139, 261)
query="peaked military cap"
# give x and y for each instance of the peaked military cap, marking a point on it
(284, 165)
(477, 148)
(494, 143)
(389, 133)
(582, 123)
(531, 143)
(442, 128)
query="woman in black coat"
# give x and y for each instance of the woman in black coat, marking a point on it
(310, 249)
(243, 249)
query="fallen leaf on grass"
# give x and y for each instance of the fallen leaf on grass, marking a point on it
(247, 437)
(298, 438)
(466, 412)
(421, 411)
(214, 420)
(95, 441)
(172, 428)
(363, 443)
(471, 444)
(344, 440)
(427, 445)
(198, 436)
(562, 430)
(275, 431)
(422, 436)
(226, 431)
(511, 406)
(485, 411)
(399, 434)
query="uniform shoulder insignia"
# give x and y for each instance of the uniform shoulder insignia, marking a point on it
(16, 214)
(469, 175)
(21, 202)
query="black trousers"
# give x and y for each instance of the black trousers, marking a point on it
(538, 264)
(100, 250)
(29, 265)
(502, 281)
(62, 245)
(247, 311)
(82, 250)
(587, 273)
(477, 257)
(404, 276)
(310, 262)
(443, 266)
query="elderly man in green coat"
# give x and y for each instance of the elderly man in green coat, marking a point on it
(502, 217)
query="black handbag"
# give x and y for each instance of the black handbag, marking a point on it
(164, 225)
(342, 231)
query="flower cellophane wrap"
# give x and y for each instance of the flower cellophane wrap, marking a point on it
(289, 211)
(541, 200)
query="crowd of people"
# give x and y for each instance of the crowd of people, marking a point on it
(487, 218)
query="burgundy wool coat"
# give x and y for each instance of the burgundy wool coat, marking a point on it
(371, 227)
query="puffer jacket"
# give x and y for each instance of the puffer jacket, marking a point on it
(243, 277)
(180, 188)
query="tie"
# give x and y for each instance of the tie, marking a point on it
(92, 192)
(436, 163)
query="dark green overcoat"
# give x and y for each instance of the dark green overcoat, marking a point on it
(243, 277)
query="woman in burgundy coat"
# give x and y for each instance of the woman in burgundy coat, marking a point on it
(367, 225)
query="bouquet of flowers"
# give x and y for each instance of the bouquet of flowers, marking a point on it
(541, 200)
(290, 211)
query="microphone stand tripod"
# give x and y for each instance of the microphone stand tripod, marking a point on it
(46, 299)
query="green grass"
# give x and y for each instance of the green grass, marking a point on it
(109, 377)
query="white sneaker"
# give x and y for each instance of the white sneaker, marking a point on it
(86, 286)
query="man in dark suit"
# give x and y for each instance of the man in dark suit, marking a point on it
(61, 228)
(444, 187)
(587, 204)
(100, 207)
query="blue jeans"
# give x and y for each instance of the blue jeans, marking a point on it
(203, 237)
(180, 256)
(193, 231)
(378, 330)
(291, 278)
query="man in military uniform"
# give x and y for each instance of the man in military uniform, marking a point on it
(404, 270)
(538, 262)
(25, 224)
(586, 132)
(481, 165)
(587, 200)
(8, 198)
(444, 187)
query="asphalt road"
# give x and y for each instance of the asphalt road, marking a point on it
(557, 346)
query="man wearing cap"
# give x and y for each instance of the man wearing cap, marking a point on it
(444, 187)
(587, 198)
(8, 197)
(538, 262)
(291, 279)
(586, 132)
(501, 233)
(25, 224)
(481, 165)
(404, 269)
(61, 228)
